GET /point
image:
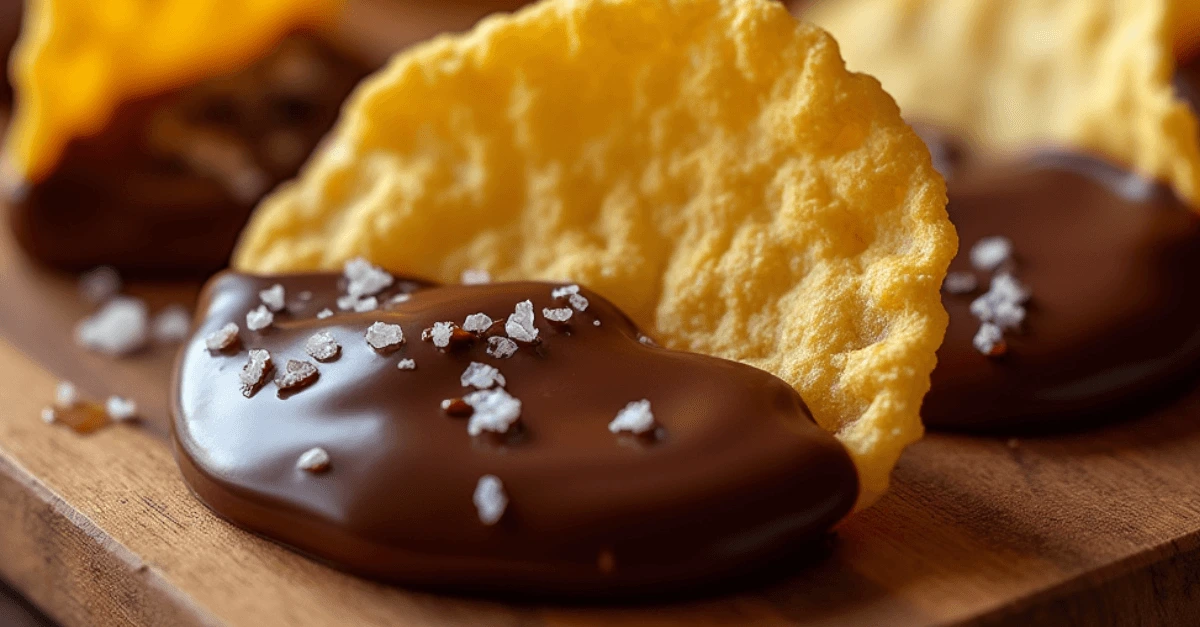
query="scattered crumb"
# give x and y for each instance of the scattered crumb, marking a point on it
(635, 417)
(519, 325)
(314, 460)
(273, 297)
(960, 283)
(321, 346)
(476, 277)
(490, 499)
(222, 338)
(120, 409)
(99, 284)
(119, 328)
(365, 279)
(383, 336)
(495, 410)
(66, 395)
(296, 374)
(172, 325)
(477, 323)
(255, 371)
(501, 347)
(989, 340)
(324, 313)
(990, 253)
(407, 364)
(481, 376)
(559, 315)
(259, 318)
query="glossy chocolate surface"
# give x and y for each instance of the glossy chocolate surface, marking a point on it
(1114, 317)
(735, 476)
(168, 184)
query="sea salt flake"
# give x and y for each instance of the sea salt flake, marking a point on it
(1010, 288)
(477, 323)
(399, 298)
(635, 417)
(990, 253)
(120, 409)
(407, 364)
(222, 338)
(296, 374)
(476, 277)
(501, 347)
(364, 278)
(255, 371)
(172, 325)
(259, 318)
(490, 499)
(495, 410)
(482, 376)
(439, 334)
(519, 325)
(369, 303)
(66, 395)
(119, 328)
(960, 283)
(563, 292)
(273, 297)
(561, 314)
(578, 301)
(595, 323)
(321, 346)
(647, 340)
(49, 415)
(314, 460)
(99, 284)
(989, 340)
(324, 313)
(383, 336)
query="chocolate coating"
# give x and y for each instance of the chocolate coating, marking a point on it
(166, 187)
(736, 474)
(1114, 317)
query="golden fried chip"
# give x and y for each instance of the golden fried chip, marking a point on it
(78, 59)
(1014, 74)
(708, 165)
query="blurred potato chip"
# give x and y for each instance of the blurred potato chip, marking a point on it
(1014, 74)
(708, 165)
(77, 60)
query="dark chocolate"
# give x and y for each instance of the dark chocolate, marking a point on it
(168, 184)
(735, 475)
(1114, 317)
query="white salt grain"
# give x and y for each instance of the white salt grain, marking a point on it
(400, 298)
(314, 460)
(495, 410)
(222, 338)
(490, 499)
(477, 323)
(369, 303)
(989, 340)
(481, 376)
(635, 417)
(255, 370)
(66, 395)
(49, 415)
(578, 301)
(259, 318)
(273, 297)
(595, 323)
(990, 253)
(647, 340)
(519, 325)
(172, 325)
(561, 314)
(296, 374)
(365, 279)
(324, 313)
(1010, 288)
(321, 346)
(563, 292)
(383, 336)
(407, 364)
(960, 283)
(501, 347)
(99, 284)
(120, 409)
(119, 328)
(476, 277)
(440, 333)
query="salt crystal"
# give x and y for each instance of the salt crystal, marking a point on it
(635, 417)
(495, 410)
(994, 307)
(989, 340)
(273, 297)
(119, 328)
(369, 303)
(990, 252)
(501, 347)
(66, 395)
(407, 364)
(324, 313)
(172, 325)
(222, 338)
(481, 376)
(1010, 288)
(578, 301)
(563, 292)
(364, 278)
(519, 325)
(314, 460)
(296, 374)
(645, 339)
(255, 371)
(99, 284)
(439, 334)
(476, 277)
(490, 499)
(49, 415)
(477, 323)
(259, 319)
(400, 298)
(120, 409)
(383, 336)
(304, 296)
(562, 314)
(321, 346)
(960, 283)
(595, 323)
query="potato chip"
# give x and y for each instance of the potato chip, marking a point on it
(1094, 75)
(708, 165)
(77, 60)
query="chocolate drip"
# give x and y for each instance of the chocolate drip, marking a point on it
(170, 181)
(734, 474)
(1114, 314)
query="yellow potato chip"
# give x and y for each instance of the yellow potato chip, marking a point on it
(78, 59)
(708, 165)
(1015, 74)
